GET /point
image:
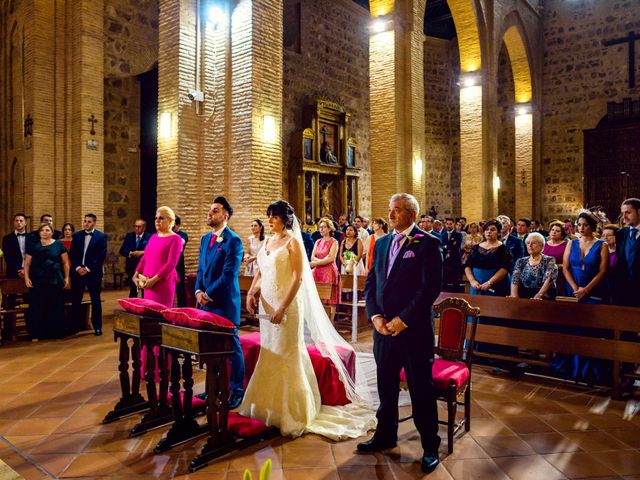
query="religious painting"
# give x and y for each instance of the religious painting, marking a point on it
(308, 148)
(329, 145)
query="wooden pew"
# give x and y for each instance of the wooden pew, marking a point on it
(15, 289)
(344, 315)
(547, 315)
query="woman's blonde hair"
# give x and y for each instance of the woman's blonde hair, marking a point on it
(169, 213)
(328, 222)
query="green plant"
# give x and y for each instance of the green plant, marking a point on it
(265, 471)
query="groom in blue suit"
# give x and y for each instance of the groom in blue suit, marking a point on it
(403, 282)
(217, 287)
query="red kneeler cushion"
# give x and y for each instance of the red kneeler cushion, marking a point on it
(196, 318)
(445, 372)
(245, 426)
(142, 306)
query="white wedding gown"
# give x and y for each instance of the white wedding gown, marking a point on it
(283, 391)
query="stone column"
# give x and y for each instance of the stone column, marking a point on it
(397, 102)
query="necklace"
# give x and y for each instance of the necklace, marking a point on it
(277, 237)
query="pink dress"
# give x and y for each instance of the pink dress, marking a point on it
(160, 258)
(327, 273)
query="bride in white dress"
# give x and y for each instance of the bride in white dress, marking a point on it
(283, 391)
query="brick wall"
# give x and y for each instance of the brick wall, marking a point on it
(580, 77)
(442, 126)
(330, 60)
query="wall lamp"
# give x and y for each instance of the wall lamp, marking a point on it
(381, 24)
(165, 129)
(523, 108)
(469, 79)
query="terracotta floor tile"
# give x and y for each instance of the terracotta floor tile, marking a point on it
(276, 474)
(475, 469)
(578, 464)
(80, 425)
(25, 468)
(201, 475)
(310, 474)
(550, 443)
(567, 422)
(54, 464)
(87, 464)
(526, 424)
(158, 466)
(407, 451)
(60, 444)
(596, 441)
(465, 448)
(254, 457)
(24, 443)
(379, 472)
(532, 467)
(504, 446)
(504, 409)
(304, 455)
(412, 471)
(488, 426)
(606, 421)
(346, 455)
(629, 436)
(623, 462)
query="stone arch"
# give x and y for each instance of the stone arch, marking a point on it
(513, 36)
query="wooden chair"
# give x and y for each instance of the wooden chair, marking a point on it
(14, 293)
(452, 371)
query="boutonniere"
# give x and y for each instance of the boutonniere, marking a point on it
(220, 238)
(414, 239)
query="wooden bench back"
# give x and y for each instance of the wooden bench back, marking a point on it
(13, 286)
(324, 290)
(347, 281)
(245, 282)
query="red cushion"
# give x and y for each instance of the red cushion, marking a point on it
(245, 426)
(196, 403)
(445, 372)
(142, 306)
(196, 318)
(452, 329)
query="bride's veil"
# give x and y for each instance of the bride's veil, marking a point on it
(319, 330)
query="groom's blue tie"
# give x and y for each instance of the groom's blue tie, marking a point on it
(393, 252)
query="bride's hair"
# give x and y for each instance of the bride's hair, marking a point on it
(282, 209)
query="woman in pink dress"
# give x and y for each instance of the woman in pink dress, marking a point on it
(158, 264)
(323, 261)
(554, 247)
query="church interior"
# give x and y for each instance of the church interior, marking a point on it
(478, 108)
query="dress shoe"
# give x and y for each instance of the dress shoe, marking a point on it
(98, 332)
(235, 399)
(202, 396)
(375, 445)
(429, 462)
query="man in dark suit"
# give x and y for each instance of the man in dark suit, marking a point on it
(217, 287)
(181, 288)
(627, 269)
(513, 243)
(132, 249)
(14, 245)
(403, 283)
(522, 228)
(88, 251)
(452, 253)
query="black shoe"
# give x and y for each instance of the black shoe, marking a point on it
(429, 462)
(375, 445)
(202, 396)
(235, 399)
(98, 332)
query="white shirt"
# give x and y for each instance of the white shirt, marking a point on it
(637, 229)
(22, 240)
(363, 234)
(87, 240)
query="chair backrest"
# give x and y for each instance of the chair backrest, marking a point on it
(324, 290)
(347, 281)
(454, 314)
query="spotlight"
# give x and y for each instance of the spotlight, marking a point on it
(523, 109)
(381, 24)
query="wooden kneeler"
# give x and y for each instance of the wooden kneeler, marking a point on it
(212, 349)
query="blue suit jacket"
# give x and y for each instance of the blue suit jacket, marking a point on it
(516, 247)
(412, 286)
(218, 270)
(96, 251)
(12, 254)
(129, 245)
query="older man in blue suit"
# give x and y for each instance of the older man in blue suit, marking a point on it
(217, 287)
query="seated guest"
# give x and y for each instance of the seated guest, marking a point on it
(489, 263)
(323, 261)
(380, 229)
(46, 274)
(256, 240)
(132, 250)
(534, 276)
(156, 273)
(351, 249)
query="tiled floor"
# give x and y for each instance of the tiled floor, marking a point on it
(53, 396)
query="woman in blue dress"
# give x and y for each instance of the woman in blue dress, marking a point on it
(586, 260)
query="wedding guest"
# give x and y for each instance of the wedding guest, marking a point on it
(380, 229)
(586, 260)
(627, 271)
(45, 218)
(555, 247)
(362, 231)
(427, 223)
(437, 227)
(354, 246)
(473, 238)
(522, 228)
(536, 226)
(181, 286)
(534, 276)
(67, 235)
(452, 257)
(365, 224)
(14, 245)
(609, 232)
(256, 240)
(489, 263)
(46, 274)
(88, 251)
(156, 273)
(510, 239)
(132, 250)
(323, 261)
